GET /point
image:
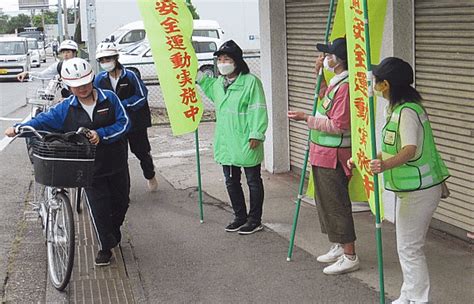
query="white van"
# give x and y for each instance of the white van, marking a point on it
(134, 32)
(34, 49)
(14, 56)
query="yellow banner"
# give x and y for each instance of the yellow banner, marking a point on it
(169, 27)
(377, 10)
(359, 91)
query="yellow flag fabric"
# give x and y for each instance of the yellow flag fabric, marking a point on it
(361, 122)
(377, 10)
(169, 27)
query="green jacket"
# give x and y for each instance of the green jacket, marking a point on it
(241, 115)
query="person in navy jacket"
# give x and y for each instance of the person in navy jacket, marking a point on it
(102, 112)
(132, 92)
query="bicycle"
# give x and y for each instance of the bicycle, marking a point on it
(61, 161)
(43, 98)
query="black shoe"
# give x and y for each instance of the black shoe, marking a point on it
(250, 227)
(234, 226)
(103, 258)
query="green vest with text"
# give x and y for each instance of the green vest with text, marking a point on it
(424, 172)
(326, 139)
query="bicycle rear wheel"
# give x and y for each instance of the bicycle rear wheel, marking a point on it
(61, 241)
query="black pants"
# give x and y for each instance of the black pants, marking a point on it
(234, 188)
(140, 146)
(108, 200)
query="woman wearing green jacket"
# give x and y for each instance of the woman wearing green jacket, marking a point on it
(241, 122)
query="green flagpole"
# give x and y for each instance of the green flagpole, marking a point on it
(305, 163)
(378, 225)
(198, 164)
(198, 159)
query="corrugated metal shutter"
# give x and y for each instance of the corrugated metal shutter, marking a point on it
(305, 26)
(444, 64)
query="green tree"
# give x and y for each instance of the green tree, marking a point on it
(21, 20)
(4, 23)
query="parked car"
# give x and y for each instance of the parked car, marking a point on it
(139, 57)
(14, 56)
(134, 32)
(33, 48)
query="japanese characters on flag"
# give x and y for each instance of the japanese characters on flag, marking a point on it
(359, 95)
(169, 27)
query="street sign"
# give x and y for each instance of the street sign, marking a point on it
(33, 4)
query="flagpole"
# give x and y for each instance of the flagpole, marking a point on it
(306, 156)
(378, 225)
(198, 164)
(198, 161)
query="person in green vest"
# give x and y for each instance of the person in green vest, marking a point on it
(412, 168)
(241, 123)
(330, 149)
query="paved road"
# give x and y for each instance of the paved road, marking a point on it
(183, 261)
(22, 250)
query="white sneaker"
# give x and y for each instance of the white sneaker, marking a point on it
(152, 184)
(332, 255)
(342, 265)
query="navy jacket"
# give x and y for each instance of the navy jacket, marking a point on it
(134, 96)
(110, 121)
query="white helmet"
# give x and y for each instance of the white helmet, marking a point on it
(76, 72)
(68, 45)
(106, 49)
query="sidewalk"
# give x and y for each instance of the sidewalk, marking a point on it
(450, 261)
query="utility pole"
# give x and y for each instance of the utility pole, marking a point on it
(75, 13)
(42, 18)
(91, 38)
(66, 30)
(60, 22)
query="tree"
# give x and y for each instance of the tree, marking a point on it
(21, 20)
(4, 23)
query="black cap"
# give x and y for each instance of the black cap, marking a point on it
(394, 70)
(338, 47)
(231, 49)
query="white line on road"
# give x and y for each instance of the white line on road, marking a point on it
(10, 119)
(7, 140)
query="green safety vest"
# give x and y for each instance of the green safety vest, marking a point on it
(326, 139)
(424, 172)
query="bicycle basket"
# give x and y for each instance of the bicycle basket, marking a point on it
(63, 164)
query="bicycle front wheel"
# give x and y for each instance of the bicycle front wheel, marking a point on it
(61, 241)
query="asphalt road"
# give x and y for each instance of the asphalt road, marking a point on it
(22, 249)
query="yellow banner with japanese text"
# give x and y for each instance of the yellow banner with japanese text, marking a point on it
(169, 27)
(377, 10)
(361, 122)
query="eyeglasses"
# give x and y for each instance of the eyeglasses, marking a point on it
(105, 59)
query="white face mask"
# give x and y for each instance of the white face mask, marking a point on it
(326, 64)
(225, 68)
(108, 66)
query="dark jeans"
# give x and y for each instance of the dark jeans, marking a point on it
(108, 200)
(140, 146)
(234, 188)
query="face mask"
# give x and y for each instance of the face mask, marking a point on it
(377, 93)
(225, 68)
(108, 66)
(326, 64)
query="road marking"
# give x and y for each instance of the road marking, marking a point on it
(7, 140)
(10, 119)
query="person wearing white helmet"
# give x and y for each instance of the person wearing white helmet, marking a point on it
(101, 112)
(68, 49)
(132, 92)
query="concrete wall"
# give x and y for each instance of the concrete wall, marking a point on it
(275, 83)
